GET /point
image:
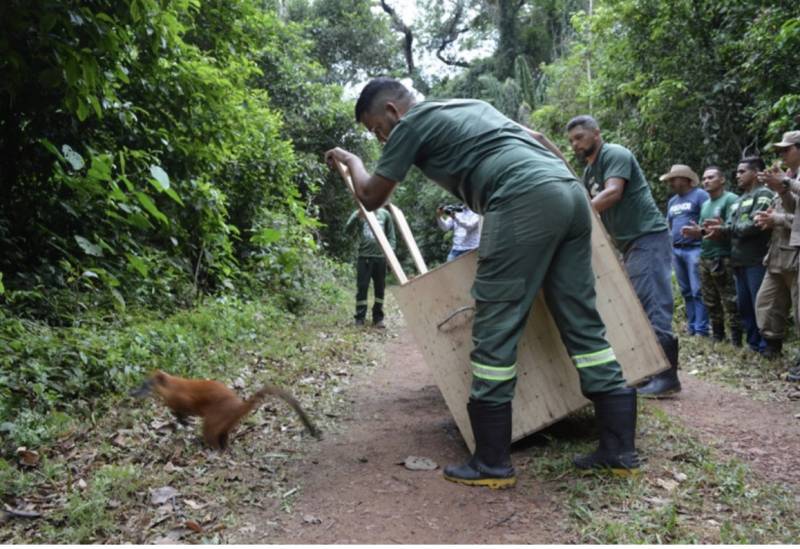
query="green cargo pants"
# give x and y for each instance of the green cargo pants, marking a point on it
(537, 236)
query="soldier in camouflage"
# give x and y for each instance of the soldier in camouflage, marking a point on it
(716, 273)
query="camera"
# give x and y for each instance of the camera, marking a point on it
(451, 209)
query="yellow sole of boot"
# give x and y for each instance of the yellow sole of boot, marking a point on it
(492, 483)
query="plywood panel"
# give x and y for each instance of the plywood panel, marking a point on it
(547, 387)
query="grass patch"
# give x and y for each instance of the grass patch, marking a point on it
(100, 461)
(739, 368)
(687, 492)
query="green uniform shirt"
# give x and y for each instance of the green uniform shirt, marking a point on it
(368, 246)
(636, 214)
(749, 244)
(718, 207)
(469, 148)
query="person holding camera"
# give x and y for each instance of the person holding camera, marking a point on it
(465, 225)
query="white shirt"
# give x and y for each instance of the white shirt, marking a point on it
(466, 229)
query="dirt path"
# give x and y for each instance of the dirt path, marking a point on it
(355, 491)
(765, 435)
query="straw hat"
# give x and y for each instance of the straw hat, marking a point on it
(789, 139)
(681, 170)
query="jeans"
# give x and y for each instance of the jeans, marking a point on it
(454, 253)
(648, 262)
(686, 262)
(748, 281)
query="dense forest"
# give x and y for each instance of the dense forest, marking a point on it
(159, 154)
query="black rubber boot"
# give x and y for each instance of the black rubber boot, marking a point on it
(666, 383)
(736, 336)
(490, 465)
(718, 332)
(773, 349)
(615, 413)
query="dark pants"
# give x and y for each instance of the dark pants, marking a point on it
(648, 262)
(748, 281)
(370, 268)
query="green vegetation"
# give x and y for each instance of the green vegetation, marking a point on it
(99, 468)
(688, 493)
(165, 205)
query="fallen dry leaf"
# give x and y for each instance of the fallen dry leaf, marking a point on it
(28, 458)
(193, 526)
(667, 484)
(171, 537)
(680, 477)
(193, 504)
(162, 495)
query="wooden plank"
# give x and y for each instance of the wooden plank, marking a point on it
(548, 388)
(408, 238)
(374, 226)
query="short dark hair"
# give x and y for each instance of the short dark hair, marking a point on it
(755, 163)
(584, 121)
(382, 87)
(715, 168)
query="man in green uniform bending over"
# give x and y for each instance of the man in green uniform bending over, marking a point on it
(536, 234)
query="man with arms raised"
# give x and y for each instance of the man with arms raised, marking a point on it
(536, 234)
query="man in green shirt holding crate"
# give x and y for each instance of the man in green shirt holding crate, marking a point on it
(536, 234)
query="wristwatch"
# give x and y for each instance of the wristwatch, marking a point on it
(786, 181)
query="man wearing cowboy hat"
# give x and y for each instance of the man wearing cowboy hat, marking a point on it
(787, 185)
(683, 209)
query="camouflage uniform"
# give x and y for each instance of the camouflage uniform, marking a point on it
(716, 274)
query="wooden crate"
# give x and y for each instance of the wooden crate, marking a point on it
(438, 310)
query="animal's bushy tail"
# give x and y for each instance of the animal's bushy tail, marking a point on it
(254, 400)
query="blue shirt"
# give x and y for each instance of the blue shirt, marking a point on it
(681, 210)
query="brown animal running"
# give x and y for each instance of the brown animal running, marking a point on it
(218, 405)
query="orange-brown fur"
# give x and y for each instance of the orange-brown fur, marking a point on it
(219, 406)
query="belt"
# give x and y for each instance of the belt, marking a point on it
(685, 245)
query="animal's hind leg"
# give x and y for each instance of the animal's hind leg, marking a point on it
(210, 436)
(223, 441)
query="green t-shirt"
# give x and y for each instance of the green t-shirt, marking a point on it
(711, 208)
(749, 243)
(368, 246)
(469, 148)
(636, 214)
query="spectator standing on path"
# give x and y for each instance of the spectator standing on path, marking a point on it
(716, 273)
(465, 225)
(371, 264)
(749, 243)
(778, 290)
(536, 236)
(789, 150)
(622, 196)
(683, 209)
